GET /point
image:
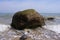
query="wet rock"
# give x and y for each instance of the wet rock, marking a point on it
(23, 37)
(50, 18)
(29, 19)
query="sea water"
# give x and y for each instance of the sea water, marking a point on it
(5, 20)
(53, 25)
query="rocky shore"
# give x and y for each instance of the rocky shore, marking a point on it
(28, 34)
(28, 25)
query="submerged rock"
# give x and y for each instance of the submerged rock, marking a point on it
(50, 18)
(27, 19)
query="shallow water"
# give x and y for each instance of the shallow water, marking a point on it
(53, 25)
(6, 18)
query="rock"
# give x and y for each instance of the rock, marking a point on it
(25, 37)
(50, 18)
(29, 19)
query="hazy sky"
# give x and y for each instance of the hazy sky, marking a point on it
(42, 6)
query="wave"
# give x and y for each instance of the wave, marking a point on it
(4, 27)
(55, 28)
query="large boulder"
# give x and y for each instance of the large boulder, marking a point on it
(27, 19)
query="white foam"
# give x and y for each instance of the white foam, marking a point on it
(4, 27)
(55, 28)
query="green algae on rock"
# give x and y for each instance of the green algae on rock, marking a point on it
(27, 19)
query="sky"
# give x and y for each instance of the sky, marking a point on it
(42, 6)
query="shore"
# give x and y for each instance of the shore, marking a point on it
(37, 34)
(50, 31)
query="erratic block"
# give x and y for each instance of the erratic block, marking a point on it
(27, 19)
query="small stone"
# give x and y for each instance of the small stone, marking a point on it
(23, 37)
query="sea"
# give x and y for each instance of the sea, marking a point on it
(54, 25)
